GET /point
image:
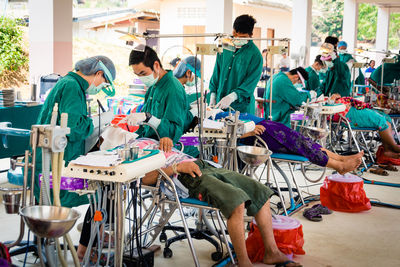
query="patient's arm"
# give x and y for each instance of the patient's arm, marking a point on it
(257, 131)
(188, 167)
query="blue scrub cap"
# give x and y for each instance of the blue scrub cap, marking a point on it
(342, 43)
(188, 63)
(91, 65)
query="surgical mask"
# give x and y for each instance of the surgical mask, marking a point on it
(239, 42)
(192, 83)
(323, 70)
(329, 64)
(298, 86)
(149, 80)
(93, 89)
(342, 51)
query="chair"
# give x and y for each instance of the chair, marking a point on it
(291, 160)
(165, 207)
(361, 141)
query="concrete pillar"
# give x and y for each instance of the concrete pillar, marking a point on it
(382, 28)
(50, 37)
(301, 30)
(350, 22)
(219, 19)
(219, 16)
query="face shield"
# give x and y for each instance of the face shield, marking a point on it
(108, 88)
(301, 79)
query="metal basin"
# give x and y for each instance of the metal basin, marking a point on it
(49, 221)
(253, 155)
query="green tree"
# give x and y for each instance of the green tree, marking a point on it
(367, 21)
(394, 31)
(330, 20)
(12, 57)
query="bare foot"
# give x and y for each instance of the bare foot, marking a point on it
(358, 155)
(349, 165)
(391, 154)
(278, 257)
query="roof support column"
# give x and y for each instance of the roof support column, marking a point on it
(350, 23)
(50, 34)
(301, 29)
(382, 29)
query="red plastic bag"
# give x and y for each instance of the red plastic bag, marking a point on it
(288, 241)
(344, 196)
(124, 126)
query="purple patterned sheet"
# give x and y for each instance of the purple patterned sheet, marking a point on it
(68, 183)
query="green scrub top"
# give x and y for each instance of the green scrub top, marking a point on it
(391, 72)
(166, 100)
(313, 82)
(70, 95)
(322, 77)
(337, 80)
(238, 72)
(285, 98)
(360, 78)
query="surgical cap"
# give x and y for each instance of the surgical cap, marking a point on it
(91, 65)
(188, 63)
(342, 43)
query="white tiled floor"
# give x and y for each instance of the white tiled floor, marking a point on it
(342, 239)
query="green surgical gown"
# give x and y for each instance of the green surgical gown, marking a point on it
(322, 77)
(238, 72)
(391, 72)
(360, 78)
(337, 80)
(166, 100)
(70, 95)
(313, 83)
(286, 98)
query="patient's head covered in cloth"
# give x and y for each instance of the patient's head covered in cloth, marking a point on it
(115, 136)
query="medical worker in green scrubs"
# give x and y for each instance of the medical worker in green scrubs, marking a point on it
(313, 83)
(337, 79)
(91, 76)
(165, 106)
(348, 59)
(285, 96)
(236, 73)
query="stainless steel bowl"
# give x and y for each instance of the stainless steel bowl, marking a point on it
(11, 199)
(49, 221)
(253, 155)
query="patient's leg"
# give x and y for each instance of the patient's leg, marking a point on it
(335, 156)
(236, 232)
(391, 148)
(264, 222)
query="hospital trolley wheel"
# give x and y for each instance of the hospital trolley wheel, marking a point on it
(216, 256)
(167, 253)
(163, 237)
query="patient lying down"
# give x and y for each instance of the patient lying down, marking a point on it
(232, 193)
(229, 191)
